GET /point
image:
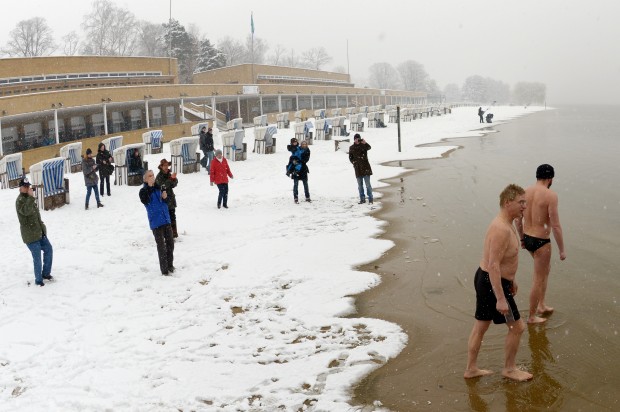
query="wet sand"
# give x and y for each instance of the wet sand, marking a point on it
(438, 215)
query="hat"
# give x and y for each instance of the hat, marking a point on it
(163, 162)
(545, 171)
(24, 182)
(88, 151)
(293, 140)
(357, 136)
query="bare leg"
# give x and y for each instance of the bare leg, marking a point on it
(510, 371)
(473, 348)
(542, 266)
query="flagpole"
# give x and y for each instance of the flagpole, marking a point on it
(252, 25)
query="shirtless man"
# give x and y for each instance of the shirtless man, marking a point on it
(496, 287)
(540, 218)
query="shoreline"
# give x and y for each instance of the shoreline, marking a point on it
(374, 302)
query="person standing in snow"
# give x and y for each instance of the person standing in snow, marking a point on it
(220, 172)
(168, 181)
(34, 233)
(206, 145)
(154, 199)
(297, 167)
(358, 156)
(104, 162)
(90, 178)
(481, 114)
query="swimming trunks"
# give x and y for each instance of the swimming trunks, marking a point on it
(486, 301)
(532, 243)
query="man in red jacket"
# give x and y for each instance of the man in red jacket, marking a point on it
(220, 172)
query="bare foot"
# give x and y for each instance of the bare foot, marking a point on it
(517, 374)
(474, 373)
(535, 319)
(545, 310)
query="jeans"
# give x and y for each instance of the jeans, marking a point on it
(209, 156)
(296, 183)
(105, 179)
(89, 189)
(165, 247)
(222, 197)
(36, 247)
(360, 185)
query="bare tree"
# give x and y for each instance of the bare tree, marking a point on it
(340, 69)
(71, 42)
(277, 58)
(259, 49)
(233, 49)
(150, 39)
(110, 30)
(292, 60)
(383, 76)
(315, 58)
(413, 76)
(452, 92)
(30, 38)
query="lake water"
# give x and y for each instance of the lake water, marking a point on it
(439, 215)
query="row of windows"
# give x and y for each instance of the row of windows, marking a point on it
(282, 79)
(20, 90)
(66, 76)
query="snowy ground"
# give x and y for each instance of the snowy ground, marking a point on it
(252, 318)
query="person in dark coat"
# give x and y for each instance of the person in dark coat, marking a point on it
(207, 147)
(34, 232)
(168, 181)
(481, 114)
(358, 155)
(135, 163)
(154, 200)
(104, 161)
(220, 172)
(89, 168)
(297, 167)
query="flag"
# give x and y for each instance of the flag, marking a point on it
(252, 22)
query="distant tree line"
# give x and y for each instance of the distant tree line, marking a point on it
(111, 30)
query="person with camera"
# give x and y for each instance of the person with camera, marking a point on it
(297, 168)
(167, 181)
(358, 156)
(104, 162)
(154, 198)
(89, 168)
(220, 172)
(34, 232)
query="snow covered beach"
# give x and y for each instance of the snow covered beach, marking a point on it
(251, 320)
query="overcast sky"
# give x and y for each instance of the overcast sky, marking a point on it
(571, 46)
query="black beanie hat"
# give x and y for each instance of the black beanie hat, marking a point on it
(545, 171)
(88, 151)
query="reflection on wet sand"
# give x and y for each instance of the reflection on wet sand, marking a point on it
(549, 392)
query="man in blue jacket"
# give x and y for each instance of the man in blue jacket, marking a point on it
(154, 199)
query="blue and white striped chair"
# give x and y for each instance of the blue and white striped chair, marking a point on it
(113, 143)
(153, 140)
(11, 170)
(72, 154)
(184, 155)
(51, 188)
(122, 156)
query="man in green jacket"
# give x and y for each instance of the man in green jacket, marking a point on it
(34, 233)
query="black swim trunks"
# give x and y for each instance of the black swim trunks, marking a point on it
(486, 302)
(532, 243)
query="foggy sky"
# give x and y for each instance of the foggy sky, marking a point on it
(569, 45)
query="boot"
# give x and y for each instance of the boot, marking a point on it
(174, 230)
(99, 205)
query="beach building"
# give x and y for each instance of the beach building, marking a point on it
(47, 102)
